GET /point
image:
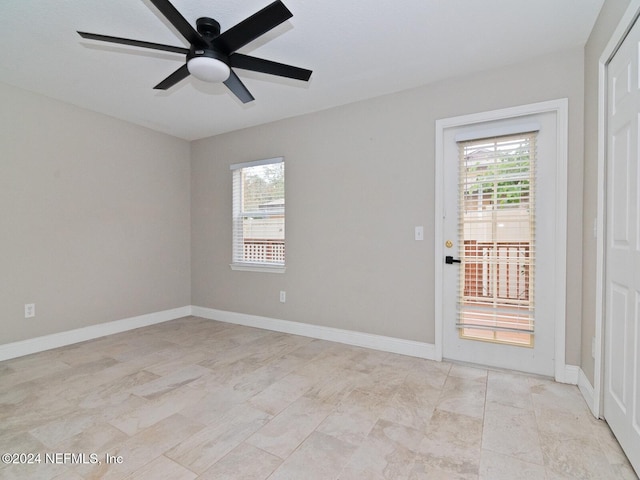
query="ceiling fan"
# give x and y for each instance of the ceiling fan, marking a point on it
(212, 54)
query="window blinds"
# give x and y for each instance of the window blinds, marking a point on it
(259, 212)
(497, 238)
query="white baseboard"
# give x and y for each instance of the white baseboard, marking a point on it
(567, 374)
(349, 337)
(571, 374)
(587, 392)
(55, 340)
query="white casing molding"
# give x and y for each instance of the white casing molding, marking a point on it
(563, 373)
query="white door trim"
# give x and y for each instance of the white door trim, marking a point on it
(561, 108)
(627, 21)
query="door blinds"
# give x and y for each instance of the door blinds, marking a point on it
(497, 238)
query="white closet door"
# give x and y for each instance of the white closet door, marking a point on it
(622, 283)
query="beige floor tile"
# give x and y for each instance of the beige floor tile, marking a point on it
(167, 383)
(279, 395)
(56, 432)
(256, 381)
(162, 468)
(429, 373)
(412, 404)
(150, 350)
(385, 380)
(245, 462)
(549, 395)
(327, 454)
(624, 472)
(423, 471)
(32, 367)
(512, 431)
(452, 444)
(159, 408)
(19, 441)
(365, 360)
(282, 435)
(117, 391)
(494, 466)
(468, 372)
(93, 439)
(388, 452)
(195, 396)
(38, 468)
(575, 458)
(181, 358)
(142, 448)
(354, 418)
(200, 451)
(215, 404)
(509, 389)
(463, 395)
(564, 423)
(609, 444)
(68, 476)
(336, 386)
(38, 471)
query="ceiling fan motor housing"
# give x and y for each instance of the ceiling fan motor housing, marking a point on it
(208, 28)
(208, 52)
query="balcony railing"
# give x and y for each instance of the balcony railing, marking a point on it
(499, 271)
(263, 250)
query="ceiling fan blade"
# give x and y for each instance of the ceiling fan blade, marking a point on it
(178, 21)
(175, 77)
(135, 43)
(255, 64)
(252, 27)
(237, 87)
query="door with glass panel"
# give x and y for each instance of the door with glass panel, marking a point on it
(499, 202)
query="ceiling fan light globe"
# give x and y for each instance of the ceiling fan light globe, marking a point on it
(208, 69)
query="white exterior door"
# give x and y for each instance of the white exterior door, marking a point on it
(496, 347)
(622, 282)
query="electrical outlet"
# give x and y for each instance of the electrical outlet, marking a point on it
(29, 310)
(283, 296)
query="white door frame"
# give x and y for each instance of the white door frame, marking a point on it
(561, 108)
(627, 21)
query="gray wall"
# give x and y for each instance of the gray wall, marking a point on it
(359, 178)
(606, 23)
(103, 220)
(94, 217)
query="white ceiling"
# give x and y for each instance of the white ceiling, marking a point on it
(357, 49)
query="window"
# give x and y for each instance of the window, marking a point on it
(258, 215)
(497, 230)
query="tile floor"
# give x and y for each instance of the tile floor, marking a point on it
(197, 399)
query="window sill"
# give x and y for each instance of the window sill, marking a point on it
(257, 267)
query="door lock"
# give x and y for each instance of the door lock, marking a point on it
(449, 260)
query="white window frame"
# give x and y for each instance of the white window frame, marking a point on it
(250, 266)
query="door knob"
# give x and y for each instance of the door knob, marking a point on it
(450, 260)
